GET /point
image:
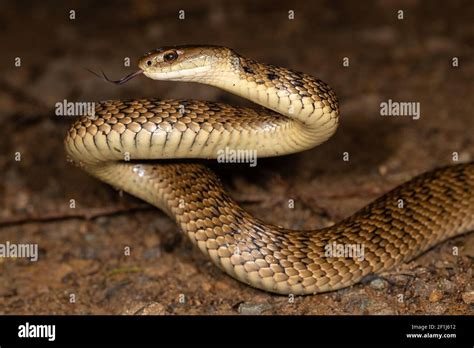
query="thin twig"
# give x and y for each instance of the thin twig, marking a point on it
(87, 214)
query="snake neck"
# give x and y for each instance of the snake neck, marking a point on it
(296, 95)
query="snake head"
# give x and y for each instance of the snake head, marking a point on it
(183, 63)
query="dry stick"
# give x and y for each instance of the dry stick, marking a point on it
(93, 213)
(86, 214)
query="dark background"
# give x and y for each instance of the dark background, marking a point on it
(81, 249)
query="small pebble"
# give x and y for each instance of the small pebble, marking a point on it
(153, 308)
(89, 237)
(364, 303)
(382, 311)
(378, 284)
(103, 220)
(448, 286)
(419, 288)
(468, 297)
(435, 296)
(206, 287)
(436, 309)
(443, 264)
(253, 308)
(152, 253)
(383, 170)
(439, 264)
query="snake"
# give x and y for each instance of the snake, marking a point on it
(145, 147)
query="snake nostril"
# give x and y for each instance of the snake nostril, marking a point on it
(148, 62)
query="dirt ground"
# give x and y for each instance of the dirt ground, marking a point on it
(83, 265)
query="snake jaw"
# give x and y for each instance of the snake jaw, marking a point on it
(186, 74)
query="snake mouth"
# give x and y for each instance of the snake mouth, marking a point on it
(177, 75)
(121, 80)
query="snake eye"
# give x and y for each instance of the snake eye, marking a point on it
(170, 56)
(148, 62)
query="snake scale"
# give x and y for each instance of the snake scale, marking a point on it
(299, 113)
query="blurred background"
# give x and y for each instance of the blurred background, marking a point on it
(399, 50)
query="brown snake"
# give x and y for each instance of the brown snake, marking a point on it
(435, 206)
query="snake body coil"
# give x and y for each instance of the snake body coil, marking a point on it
(301, 112)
